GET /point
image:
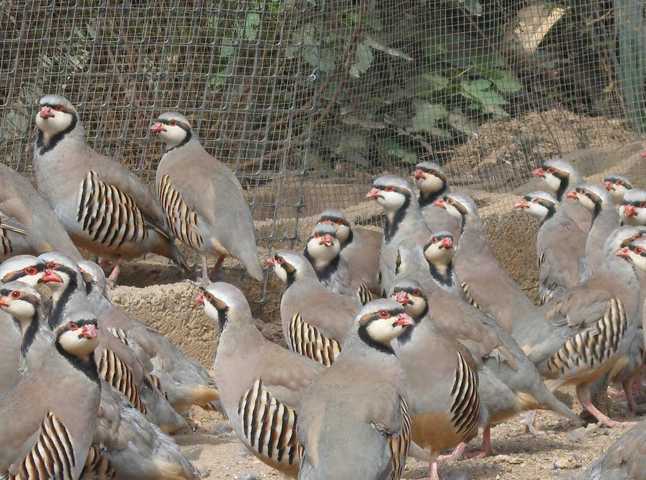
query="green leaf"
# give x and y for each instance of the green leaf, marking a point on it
(251, 23)
(427, 116)
(393, 52)
(362, 60)
(460, 122)
(486, 99)
(429, 83)
(306, 43)
(504, 81)
(394, 148)
(472, 6)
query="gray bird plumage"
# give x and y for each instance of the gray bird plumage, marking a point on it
(104, 208)
(260, 383)
(27, 223)
(202, 199)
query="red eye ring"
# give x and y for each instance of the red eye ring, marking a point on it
(417, 293)
(173, 123)
(389, 189)
(73, 326)
(16, 294)
(51, 265)
(383, 314)
(638, 250)
(30, 270)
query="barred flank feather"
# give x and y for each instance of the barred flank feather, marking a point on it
(52, 456)
(181, 219)
(269, 426)
(465, 407)
(307, 340)
(111, 217)
(114, 371)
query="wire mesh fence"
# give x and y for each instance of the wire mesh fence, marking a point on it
(308, 99)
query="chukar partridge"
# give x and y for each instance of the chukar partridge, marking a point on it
(315, 320)
(592, 328)
(118, 364)
(23, 268)
(559, 177)
(433, 183)
(202, 199)
(27, 223)
(403, 226)
(633, 208)
(49, 418)
(443, 396)
(183, 381)
(484, 282)
(323, 250)
(104, 208)
(617, 186)
(559, 261)
(354, 420)
(510, 383)
(605, 219)
(260, 383)
(360, 246)
(24, 342)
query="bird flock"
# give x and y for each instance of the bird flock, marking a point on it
(401, 343)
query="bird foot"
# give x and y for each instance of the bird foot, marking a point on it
(454, 456)
(479, 454)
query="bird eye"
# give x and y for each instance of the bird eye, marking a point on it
(16, 294)
(51, 265)
(389, 189)
(73, 326)
(417, 293)
(173, 123)
(638, 250)
(30, 270)
(383, 314)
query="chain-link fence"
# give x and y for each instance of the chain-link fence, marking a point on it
(308, 99)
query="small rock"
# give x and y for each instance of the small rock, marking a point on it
(508, 459)
(577, 435)
(566, 463)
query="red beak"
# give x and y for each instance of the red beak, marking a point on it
(46, 112)
(440, 203)
(402, 298)
(404, 320)
(630, 211)
(3, 302)
(373, 194)
(447, 243)
(623, 252)
(326, 240)
(88, 331)
(521, 204)
(157, 127)
(572, 195)
(609, 186)
(51, 277)
(199, 299)
(538, 172)
(270, 262)
(419, 174)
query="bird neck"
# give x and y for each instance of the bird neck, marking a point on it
(427, 198)
(60, 300)
(45, 143)
(324, 269)
(29, 332)
(407, 213)
(442, 273)
(187, 138)
(87, 365)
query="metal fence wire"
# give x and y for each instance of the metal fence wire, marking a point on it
(309, 99)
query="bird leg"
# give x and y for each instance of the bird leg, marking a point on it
(218, 264)
(455, 455)
(114, 274)
(630, 398)
(432, 471)
(583, 394)
(486, 450)
(205, 270)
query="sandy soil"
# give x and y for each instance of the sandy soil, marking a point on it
(559, 453)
